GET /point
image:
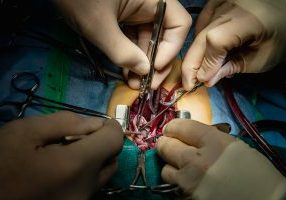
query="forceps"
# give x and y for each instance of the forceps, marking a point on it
(145, 86)
(181, 93)
(27, 83)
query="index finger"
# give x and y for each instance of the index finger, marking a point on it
(188, 131)
(101, 145)
(44, 129)
(195, 55)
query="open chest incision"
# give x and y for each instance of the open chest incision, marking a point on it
(145, 130)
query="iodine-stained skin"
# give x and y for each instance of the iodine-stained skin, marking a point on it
(147, 139)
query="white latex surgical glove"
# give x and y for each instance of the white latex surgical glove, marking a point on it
(235, 36)
(34, 165)
(98, 21)
(208, 164)
(190, 149)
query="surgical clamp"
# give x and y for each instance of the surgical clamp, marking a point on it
(140, 170)
(145, 86)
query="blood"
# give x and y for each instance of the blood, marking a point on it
(148, 136)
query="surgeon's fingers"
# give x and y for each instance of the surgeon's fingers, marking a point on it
(170, 174)
(247, 60)
(195, 55)
(56, 126)
(144, 37)
(188, 131)
(186, 178)
(175, 152)
(235, 65)
(134, 80)
(112, 41)
(220, 41)
(214, 44)
(99, 146)
(185, 164)
(160, 76)
(177, 23)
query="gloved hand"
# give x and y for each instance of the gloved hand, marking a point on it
(98, 21)
(189, 148)
(208, 164)
(34, 168)
(235, 36)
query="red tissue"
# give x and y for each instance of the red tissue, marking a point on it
(147, 139)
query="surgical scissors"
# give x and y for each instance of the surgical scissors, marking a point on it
(28, 83)
(145, 87)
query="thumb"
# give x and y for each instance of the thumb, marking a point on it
(108, 37)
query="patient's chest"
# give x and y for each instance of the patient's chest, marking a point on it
(196, 103)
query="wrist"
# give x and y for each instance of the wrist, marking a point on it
(235, 176)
